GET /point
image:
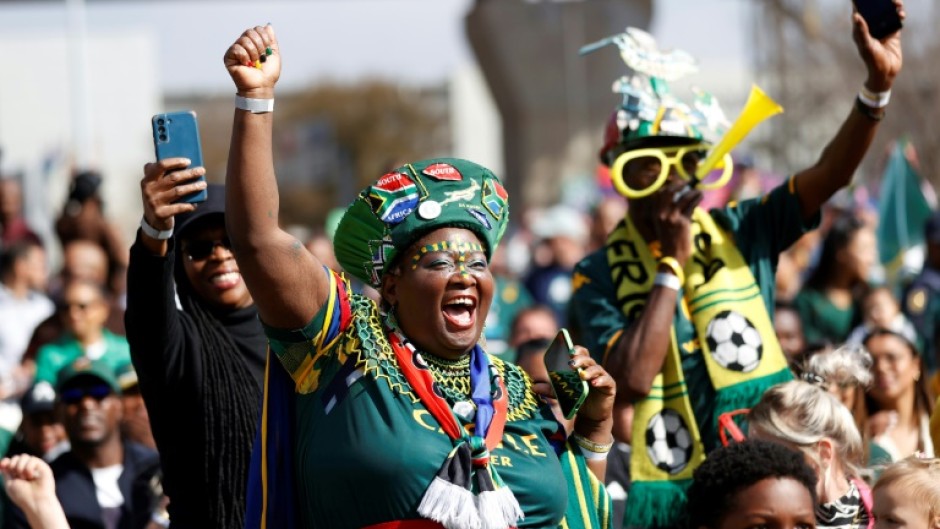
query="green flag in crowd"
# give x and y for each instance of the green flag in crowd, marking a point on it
(902, 210)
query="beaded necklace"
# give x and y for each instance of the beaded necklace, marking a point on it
(451, 376)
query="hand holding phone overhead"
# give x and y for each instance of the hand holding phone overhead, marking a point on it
(176, 144)
(882, 16)
(877, 35)
(176, 135)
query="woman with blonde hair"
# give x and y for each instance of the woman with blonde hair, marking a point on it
(806, 417)
(908, 494)
(845, 373)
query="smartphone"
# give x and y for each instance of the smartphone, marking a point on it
(568, 388)
(880, 15)
(176, 135)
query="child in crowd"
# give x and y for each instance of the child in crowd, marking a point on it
(908, 495)
(881, 310)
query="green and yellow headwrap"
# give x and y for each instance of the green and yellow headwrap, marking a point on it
(403, 205)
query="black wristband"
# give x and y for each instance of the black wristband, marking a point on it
(867, 111)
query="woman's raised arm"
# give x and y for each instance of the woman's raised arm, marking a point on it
(286, 281)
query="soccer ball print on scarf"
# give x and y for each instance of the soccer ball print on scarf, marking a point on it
(668, 441)
(734, 342)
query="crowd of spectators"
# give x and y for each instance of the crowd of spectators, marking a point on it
(131, 376)
(843, 331)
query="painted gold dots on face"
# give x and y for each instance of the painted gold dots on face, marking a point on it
(461, 249)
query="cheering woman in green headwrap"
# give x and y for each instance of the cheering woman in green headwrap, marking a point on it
(393, 415)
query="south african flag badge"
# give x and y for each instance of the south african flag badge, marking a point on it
(393, 197)
(494, 198)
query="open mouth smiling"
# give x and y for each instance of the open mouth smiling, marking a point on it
(460, 312)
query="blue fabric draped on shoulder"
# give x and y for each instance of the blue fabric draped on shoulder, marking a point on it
(271, 475)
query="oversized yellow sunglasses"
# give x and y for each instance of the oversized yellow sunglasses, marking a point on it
(705, 178)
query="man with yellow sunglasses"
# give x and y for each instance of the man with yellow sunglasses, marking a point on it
(678, 303)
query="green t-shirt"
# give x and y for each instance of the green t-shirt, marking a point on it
(761, 228)
(822, 320)
(367, 449)
(510, 296)
(54, 356)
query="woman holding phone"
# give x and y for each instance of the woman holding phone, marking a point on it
(396, 398)
(200, 365)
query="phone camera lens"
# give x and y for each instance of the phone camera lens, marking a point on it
(160, 122)
(162, 130)
(163, 137)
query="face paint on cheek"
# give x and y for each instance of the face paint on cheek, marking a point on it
(461, 248)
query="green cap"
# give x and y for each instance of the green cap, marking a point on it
(403, 205)
(85, 368)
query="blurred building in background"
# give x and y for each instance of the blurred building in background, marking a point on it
(553, 103)
(38, 99)
(523, 102)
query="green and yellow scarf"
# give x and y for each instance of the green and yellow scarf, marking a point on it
(734, 335)
(589, 505)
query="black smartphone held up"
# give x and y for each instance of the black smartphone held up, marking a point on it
(176, 135)
(570, 391)
(880, 15)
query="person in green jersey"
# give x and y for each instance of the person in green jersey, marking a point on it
(677, 304)
(391, 414)
(830, 301)
(84, 309)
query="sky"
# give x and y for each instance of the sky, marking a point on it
(415, 41)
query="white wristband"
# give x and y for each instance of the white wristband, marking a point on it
(594, 456)
(874, 99)
(255, 106)
(154, 233)
(668, 281)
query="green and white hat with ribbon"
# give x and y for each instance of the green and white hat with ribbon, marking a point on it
(649, 114)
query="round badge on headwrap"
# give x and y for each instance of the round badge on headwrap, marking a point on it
(429, 209)
(414, 199)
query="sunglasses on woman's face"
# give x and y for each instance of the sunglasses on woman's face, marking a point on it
(199, 250)
(76, 395)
